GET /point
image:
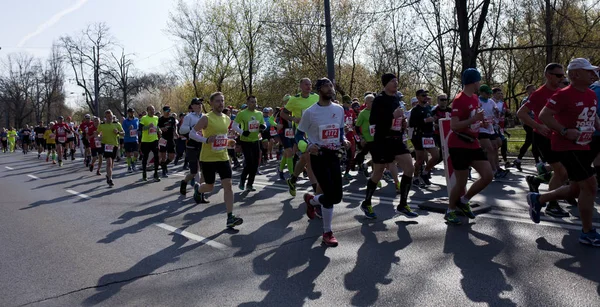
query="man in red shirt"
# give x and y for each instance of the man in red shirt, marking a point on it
(96, 149)
(83, 129)
(571, 115)
(349, 119)
(554, 74)
(61, 129)
(464, 148)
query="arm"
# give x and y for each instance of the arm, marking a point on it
(236, 127)
(523, 115)
(457, 124)
(196, 134)
(185, 126)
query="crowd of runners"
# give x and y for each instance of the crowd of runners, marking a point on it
(376, 136)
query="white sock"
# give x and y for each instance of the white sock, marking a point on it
(327, 218)
(464, 200)
(315, 201)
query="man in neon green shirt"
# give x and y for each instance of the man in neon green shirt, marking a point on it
(249, 123)
(366, 133)
(12, 137)
(150, 135)
(111, 131)
(293, 112)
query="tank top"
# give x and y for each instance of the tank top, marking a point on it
(216, 151)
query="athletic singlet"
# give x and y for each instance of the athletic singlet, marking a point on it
(216, 151)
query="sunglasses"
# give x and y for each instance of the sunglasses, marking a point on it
(557, 75)
(444, 99)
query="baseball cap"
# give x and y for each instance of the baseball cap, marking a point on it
(130, 110)
(61, 117)
(470, 76)
(244, 106)
(421, 92)
(266, 110)
(87, 116)
(581, 63)
(484, 88)
(166, 109)
(196, 100)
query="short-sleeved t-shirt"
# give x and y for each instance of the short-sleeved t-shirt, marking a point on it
(250, 121)
(91, 135)
(298, 104)
(363, 122)
(574, 110)
(109, 137)
(39, 132)
(50, 137)
(130, 127)
(465, 107)
(324, 125)
(537, 101)
(61, 129)
(149, 134)
(170, 124)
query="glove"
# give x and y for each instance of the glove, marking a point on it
(246, 133)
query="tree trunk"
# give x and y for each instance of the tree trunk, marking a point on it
(548, 31)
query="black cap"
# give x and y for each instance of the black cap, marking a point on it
(197, 100)
(421, 92)
(386, 78)
(166, 109)
(181, 114)
(130, 110)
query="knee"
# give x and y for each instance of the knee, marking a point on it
(486, 176)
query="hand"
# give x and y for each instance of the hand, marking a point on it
(398, 112)
(572, 134)
(347, 144)
(246, 133)
(296, 120)
(544, 130)
(211, 139)
(478, 116)
(313, 149)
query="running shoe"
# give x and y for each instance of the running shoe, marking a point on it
(280, 173)
(406, 210)
(197, 195)
(451, 218)
(555, 210)
(156, 179)
(533, 184)
(91, 167)
(347, 177)
(310, 209)
(590, 238)
(571, 201)
(517, 164)
(182, 187)
(466, 209)
(292, 187)
(425, 179)
(329, 239)
(533, 199)
(250, 188)
(242, 186)
(541, 168)
(233, 221)
(129, 169)
(367, 209)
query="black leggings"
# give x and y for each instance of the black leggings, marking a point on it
(148, 147)
(360, 157)
(529, 142)
(251, 152)
(326, 167)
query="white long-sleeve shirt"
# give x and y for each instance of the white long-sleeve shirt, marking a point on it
(189, 121)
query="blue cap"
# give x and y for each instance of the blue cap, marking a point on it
(470, 76)
(243, 106)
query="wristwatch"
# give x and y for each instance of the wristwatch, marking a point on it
(564, 131)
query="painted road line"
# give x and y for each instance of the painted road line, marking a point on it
(192, 236)
(33, 177)
(9, 168)
(78, 194)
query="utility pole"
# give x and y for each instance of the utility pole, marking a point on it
(330, 61)
(97, 79)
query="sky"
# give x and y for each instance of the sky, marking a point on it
(137, 25)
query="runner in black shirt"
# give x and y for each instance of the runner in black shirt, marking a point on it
(421, 120)
(25, 134)
(40, 142)
(166, 144)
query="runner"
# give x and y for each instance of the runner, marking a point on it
(286, 136)
(487, 136)
(96, 149)
(83, 130)
(422, 120)
(464, 148)
(249, 123)
(323, 124)
(110, 132)
(293, 113)
(388, 147)
(39, 132)
(180, 143)
(571, 114)
(4, 138)
(25, 138)
(366, 133)
(70, 145)
(499, 124)
(268, 134)
(441, 110)
(554, 74)
(214, 157)
(130, 126)
(193, 148)
(528, 135)
(150, 135)
(166, 144)
(50, 140)
(12, 138)
(349, 119)
(61, 130)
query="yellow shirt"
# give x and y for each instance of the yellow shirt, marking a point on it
(297, 104)
(149, 134)
(49, 137)
(215, 151)
(11, 135)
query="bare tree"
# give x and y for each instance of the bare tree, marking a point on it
(53, 79)
(121, 77)
(470, 29)
(17, 87)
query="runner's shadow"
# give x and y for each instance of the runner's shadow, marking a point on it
(47, 202)
(581, 260)
(268, 232)
(374, 262)
(111, 284)
(286, 290)
(247, 198)
(483, 279)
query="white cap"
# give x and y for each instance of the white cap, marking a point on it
(414, 100)
(581, 63)
(266, 110)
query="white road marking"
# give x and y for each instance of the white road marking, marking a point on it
(192, 236)
(32, 176)
(9, 168)
(542, 223)
(78, 194)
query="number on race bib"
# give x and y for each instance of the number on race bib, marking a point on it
(253, 126)
(40, 135)
(397, 124)
(585, 135)
(162, 142)
(273, 131)
(108, 148)
(372, 130)
(428, 142)
(133, 133)
(289, 133)
(329, 134)
(220, 143)
(152, 131)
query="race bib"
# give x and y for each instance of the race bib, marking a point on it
(61, 139)
(289, 133)
(397, 124)
(273, 132)
(372, 130)
(27, 133)
(133, 133)
(162, 142)
(231, 134)
(152, 131)
(61, 130)
(329, 134)
(108, 148)
(357, 138)
(70, 135)
(40, 135)
(253, 126)
(97, 142)
(585, 135)
(349, 122)
(220, 142)
(428, 142)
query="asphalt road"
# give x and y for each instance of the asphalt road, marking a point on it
(67, 239)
